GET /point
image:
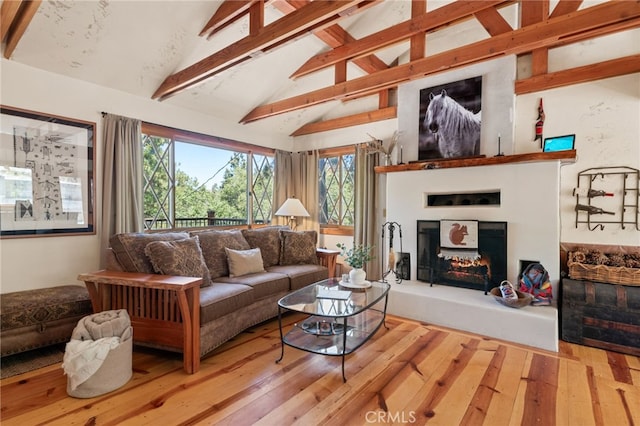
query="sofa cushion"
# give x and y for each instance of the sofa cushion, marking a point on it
(220, 299)
(301, 275)
(267, 239)
(243, 262)
(179, 257)
(264, 284)
(298, 247)
(213, 243)
(129, 248)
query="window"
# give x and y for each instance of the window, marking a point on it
(193, 180)
(336, 186)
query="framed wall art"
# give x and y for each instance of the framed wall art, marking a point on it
(449, 122)
(494, 81)
(46, 174)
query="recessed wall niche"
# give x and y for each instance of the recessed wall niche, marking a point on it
(485, 198)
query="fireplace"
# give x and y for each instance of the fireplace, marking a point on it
(481, 274)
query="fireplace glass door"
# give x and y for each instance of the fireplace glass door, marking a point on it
(482, 274)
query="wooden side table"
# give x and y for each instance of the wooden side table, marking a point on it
(164, 309)
(328, 258)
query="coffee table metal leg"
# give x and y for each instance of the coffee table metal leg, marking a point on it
(384, 314)
(281, 335)
(344, 346)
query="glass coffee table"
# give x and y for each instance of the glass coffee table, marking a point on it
(340, 319)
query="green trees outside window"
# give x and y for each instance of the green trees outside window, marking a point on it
(192, 185)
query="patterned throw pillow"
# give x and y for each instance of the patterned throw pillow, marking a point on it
(298, 247)
(244, 262)
(129, 248)
(213, 242)
(267, 239)
(180, 257)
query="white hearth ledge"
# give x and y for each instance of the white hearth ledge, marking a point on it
(473, 311)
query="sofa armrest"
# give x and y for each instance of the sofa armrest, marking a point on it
(165, 309)
(328, 258)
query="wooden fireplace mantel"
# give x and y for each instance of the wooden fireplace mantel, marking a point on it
(479, 161)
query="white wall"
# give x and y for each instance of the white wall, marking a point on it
(605, 116)
(37, 262)
(528, 204)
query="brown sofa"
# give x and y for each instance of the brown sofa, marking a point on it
(244, 273)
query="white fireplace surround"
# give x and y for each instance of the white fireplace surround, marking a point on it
(529, 204)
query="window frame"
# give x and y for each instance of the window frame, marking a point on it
(328, 229)
(185, 136)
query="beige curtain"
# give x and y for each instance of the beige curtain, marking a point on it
(305, 186)
(365, 230)
(122, 178)
(296, 175)
(282, 184)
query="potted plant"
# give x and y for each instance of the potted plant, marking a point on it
(356, 257)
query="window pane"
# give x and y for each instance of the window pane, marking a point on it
(158, 182)
(190, 185)
(348, 193)
(336, 186)
(211, 186)
(262, 188)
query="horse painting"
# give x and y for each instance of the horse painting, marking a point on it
(456, 129)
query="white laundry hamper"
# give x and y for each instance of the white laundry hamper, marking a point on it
(98, 359)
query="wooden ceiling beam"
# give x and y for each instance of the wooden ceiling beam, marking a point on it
(333, 36)
(20, 20)
(8, 12)
(348, 121)
(586, 73)
(385, 111)
(534, 12)
(383, 98)
(256, 17)
(369, 63)
(288, 27)
(492, 21)
(365, 93)
(445, 15)
(604, 18)
(565, 6)
(418, 41)
(228, 12)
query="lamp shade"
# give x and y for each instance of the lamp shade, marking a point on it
(292, 207)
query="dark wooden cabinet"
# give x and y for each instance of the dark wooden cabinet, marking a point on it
(601, 315)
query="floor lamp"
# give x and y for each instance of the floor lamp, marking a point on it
(292, 208)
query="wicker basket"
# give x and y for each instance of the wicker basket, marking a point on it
(524, 299)
(604, 273)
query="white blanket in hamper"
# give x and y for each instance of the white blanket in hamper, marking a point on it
(91, 342)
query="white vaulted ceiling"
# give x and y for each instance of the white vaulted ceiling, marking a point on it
(133, 46)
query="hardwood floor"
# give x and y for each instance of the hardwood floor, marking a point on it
(411, 373)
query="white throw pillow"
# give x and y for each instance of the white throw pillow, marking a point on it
(243, 262)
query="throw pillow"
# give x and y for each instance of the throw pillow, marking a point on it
(180, 257)
(213, 243)
(243, 262)
(298, 247)
(129, 248)
(267, 239)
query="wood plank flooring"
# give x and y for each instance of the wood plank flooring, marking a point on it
(410, 373)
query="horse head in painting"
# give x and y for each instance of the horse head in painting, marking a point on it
(456, 129)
